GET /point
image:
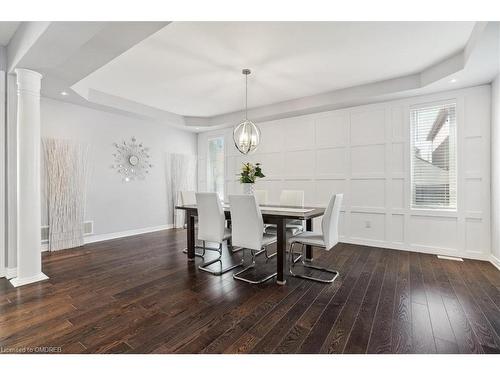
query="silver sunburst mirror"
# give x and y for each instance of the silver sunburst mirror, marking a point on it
(132, 160)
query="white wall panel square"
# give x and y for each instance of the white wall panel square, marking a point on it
(397, 193)
(272, 137)
(368, 160)
(368, 127)
(273, 189)
(397, 123)
(273, 164)
(299, 164)
(433, 232)
(476, 112)
(369, 226)
(368, 193)
(476, 240)
(397, 228)
(332, 130)
(472, 195)
(325, 189)
(331, 162)
(298, 133)
(397, 158)
(473, 155)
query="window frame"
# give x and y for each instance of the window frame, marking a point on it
(436, 103)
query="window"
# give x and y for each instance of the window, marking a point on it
(215, 166)
(433, 157)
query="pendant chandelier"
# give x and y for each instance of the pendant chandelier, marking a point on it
(246, 135)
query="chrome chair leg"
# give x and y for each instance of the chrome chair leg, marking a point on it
(204, 266)
(310, 266)
(202, 254)
(252, 265)
(270, 256)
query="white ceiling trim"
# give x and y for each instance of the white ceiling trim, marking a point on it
(335, 99)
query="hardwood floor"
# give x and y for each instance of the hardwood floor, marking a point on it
(140, 295)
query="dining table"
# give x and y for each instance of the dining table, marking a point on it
(271, 214)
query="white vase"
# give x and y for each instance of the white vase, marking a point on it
(248, 188)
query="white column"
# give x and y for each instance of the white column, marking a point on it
(29, 256)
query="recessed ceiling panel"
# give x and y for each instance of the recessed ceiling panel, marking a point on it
(194, 68)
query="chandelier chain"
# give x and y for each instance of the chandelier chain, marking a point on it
(246, 96)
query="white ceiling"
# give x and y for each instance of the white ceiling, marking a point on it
(7, 29)
(194, 68)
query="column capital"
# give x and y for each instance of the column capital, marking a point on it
(28, 80)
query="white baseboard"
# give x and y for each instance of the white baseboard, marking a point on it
(10, 273)
(2, 272)
(111, 236)
(450, 258)
(495, 261)
(28, 280)
(417, 249)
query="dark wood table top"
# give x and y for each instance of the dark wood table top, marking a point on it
(269, 210)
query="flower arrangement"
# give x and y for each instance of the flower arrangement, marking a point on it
(249, 173)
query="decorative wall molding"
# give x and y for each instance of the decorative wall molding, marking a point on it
(115, 235)
(365, 153)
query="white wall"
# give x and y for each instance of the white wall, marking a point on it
(113, 205)
(364, 153)
(3, 243)
(495, 171)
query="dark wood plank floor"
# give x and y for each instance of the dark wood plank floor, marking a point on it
(140, 295)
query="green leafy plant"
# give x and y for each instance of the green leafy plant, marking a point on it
(250, 173)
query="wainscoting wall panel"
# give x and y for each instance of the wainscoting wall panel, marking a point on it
(364, 152)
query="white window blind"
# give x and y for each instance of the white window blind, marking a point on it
(433, 157)
(215, 166)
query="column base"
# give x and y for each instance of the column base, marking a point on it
(28, 280)
(10, 273)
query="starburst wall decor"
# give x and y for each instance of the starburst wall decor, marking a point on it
(132, 160)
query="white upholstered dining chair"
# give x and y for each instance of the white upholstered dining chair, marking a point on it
(212, 228)
(326, 240)
(290, 198)
(248, 232)
(188, 198)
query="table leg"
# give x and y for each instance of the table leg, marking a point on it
(309, 251)
(281, 251)
(190, 237)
